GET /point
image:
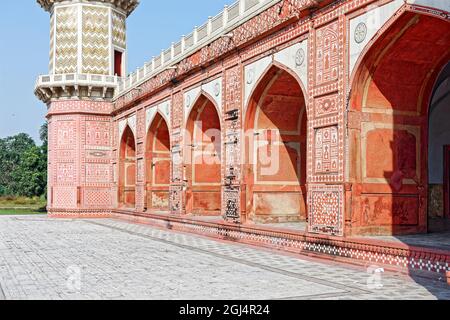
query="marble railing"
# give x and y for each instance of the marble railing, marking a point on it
(217, 26)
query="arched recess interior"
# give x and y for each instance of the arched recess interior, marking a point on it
(388, 125)
(127, 170)
(157, 160)
(203, 158)
(275, 164)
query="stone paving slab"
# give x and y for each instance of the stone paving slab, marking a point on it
(42, 258)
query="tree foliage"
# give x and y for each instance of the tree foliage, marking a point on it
(23, 165)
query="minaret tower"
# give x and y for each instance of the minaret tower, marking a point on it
(87, 60)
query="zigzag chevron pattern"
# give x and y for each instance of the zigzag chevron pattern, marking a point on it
(119, 30)
(66, 40)
(95, 40)
(52, 43)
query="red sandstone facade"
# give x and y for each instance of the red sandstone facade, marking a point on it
(305, 110)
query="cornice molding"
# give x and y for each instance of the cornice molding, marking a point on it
(127, 6)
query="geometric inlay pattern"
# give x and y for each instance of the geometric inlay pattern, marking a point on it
(98, 173)
(118, 30)
(97, 133)
(65, 173)
(66, 134)
(327, 55)
(95, 40)
(326, 207)
(326, 150)
(64, 197)
(100, 198)
(326, 105)
(231, 197)
(66, 40)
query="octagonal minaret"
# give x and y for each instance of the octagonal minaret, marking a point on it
(87, 60)
(87, 48)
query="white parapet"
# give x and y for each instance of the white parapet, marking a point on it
(69, 85)
(220, 25)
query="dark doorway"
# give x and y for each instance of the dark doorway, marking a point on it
(447, 181)
(118, 63)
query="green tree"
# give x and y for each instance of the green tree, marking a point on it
(23, 165)
(29, 175)
(11, 151)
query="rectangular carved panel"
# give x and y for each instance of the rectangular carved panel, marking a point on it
(65, 173)
(326, 150)
(65, 197)
(98, 173)
(66, 134)
(231, 198)
(176, 199)
(326, 209)
(327, 53)
(327, 105)
(98, 133)
(97, 198)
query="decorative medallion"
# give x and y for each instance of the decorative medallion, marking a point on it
(188, 101)
(300, 57)
(360, 32)
(250, 76)
(217, 89)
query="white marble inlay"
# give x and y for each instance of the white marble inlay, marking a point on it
(296, 58)
(373, 20)
(164, 109)
(213, 89)
(132, 123)
(122, 126)
(252, 73)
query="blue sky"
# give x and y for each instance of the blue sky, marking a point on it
(24, 34)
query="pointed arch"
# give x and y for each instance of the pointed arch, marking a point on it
(391, 90)
(157, 165)
(152, 115)
(203, 157)
(272, 66)
(201, 96)
(127, 169)
(275, 148)
(406, 10)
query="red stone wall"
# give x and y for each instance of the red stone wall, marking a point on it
(389, 125)
(361, 147)
(80, 171)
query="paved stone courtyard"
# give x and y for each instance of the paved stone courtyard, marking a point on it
(41, 258)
